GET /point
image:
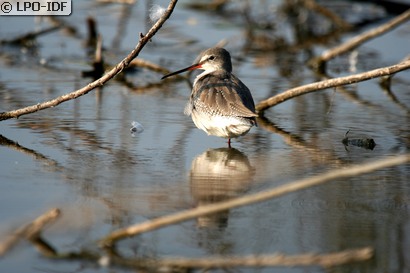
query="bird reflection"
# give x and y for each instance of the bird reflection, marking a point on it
(217, 175)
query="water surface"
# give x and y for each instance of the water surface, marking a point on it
(82, 158)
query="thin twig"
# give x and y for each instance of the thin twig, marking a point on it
(99, 82)
(139, 228)
(356, 41)
(304, 89)
(30, 230)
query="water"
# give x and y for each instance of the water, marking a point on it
(82, 158)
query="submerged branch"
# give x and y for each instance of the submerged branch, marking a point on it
(182, 264)
(297, 185)
(177, 264)
(304, 89)
(29, 231)
(309, 259)
(99, 82)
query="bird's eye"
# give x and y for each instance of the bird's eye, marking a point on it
(212, 58)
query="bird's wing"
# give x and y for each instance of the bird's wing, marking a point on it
(223, 95)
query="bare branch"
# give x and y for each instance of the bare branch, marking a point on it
(181, 264)
(304, 89)
(99, 82)
(356, 41)
(309, 259)
(139, 228)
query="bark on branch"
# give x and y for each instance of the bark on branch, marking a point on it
(304, 89)
(99, 82)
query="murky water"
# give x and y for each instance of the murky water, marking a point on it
(82, 158)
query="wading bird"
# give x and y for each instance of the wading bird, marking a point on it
(220, 104)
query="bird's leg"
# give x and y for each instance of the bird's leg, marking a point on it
(229, 143)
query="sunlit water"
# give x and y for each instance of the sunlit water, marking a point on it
(82, 157)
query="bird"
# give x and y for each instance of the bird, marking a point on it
(220, 104)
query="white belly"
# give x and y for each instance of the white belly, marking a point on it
(221, 126)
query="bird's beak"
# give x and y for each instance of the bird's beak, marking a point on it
(189, 68)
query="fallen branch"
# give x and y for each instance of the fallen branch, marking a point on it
(318, 62)
(99, 82)
(29, 231)
(157, 223)
(176, 264)
(304, 89)
(181, 264)
(309, 259)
